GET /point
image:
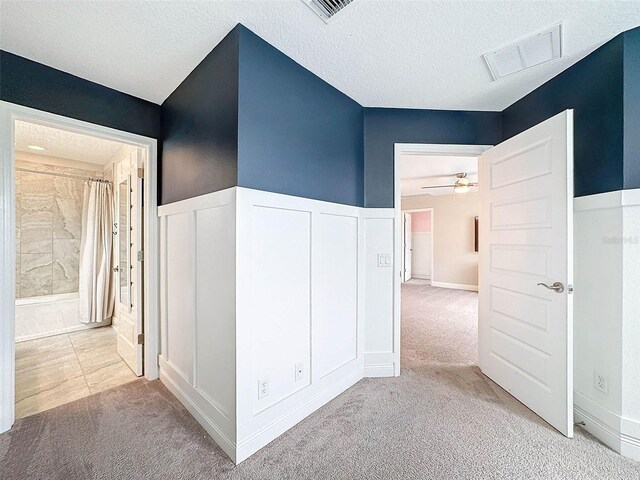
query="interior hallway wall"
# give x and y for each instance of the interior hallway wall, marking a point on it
(32, 84)
(454, 259)
(384, 127)
(297, 135)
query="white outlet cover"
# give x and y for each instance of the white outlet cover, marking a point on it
(263, 387)
(601, 382)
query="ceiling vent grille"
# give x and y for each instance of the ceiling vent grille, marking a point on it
(327, 9)
(529, 52)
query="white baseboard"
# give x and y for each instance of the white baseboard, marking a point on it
(610, 428)
(379, 370)
(273, 430)
(421, 276)
(455, 286)
(178, 387)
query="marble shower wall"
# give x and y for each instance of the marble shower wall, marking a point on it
(48, 221)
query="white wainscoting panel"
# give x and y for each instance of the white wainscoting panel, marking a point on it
(382, 339)
(298, 305)
(180, 320)
(607, 252)
(197, 359)
(279, 291)
(215, 333)
(267, 302)
(336, 292)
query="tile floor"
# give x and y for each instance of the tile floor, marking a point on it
(55, 370)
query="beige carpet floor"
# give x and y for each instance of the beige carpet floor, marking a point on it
(441, 419)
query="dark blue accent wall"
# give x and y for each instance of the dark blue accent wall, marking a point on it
(31, 84)
(383, 127)
(631, 94)
(200, 127)
(297, 135)
(593, 87)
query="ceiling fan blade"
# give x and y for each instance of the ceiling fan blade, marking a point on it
(440, 186)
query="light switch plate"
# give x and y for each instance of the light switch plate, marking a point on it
(384, 259)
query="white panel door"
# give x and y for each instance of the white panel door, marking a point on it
(408, 250)
(526, 242)
(130, 281)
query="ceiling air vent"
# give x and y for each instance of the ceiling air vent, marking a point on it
(529, 52)
(326, 9)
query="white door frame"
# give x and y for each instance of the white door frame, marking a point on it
(9, 113)
(415, 149)
(416, 210)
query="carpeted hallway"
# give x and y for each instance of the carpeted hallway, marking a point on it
(441, 419)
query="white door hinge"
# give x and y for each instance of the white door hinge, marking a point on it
(141, 255)
(141, 339)
(140, 172)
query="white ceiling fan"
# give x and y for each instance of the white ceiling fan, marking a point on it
(461, 185)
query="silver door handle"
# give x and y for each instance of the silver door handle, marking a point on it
(115, 269)
(556, 287)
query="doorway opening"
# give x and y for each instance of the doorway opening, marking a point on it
(439, 205)
(79, 298)
(524, 274)
(78, 226)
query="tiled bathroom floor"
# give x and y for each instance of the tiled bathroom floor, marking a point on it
(55, 370)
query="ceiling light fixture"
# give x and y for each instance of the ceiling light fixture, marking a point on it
(37, 148)
(461, 185)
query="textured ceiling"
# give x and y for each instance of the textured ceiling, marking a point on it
(417, 171)
(414, 54)
(63, 144)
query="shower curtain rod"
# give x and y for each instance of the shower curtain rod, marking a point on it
(68, 175)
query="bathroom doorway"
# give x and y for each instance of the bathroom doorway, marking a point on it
(78, 228)
(74, 306)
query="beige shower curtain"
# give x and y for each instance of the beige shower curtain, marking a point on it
(95, 283)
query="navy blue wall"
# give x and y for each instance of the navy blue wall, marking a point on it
(631, 109)
(593, 87)
(298, 135)
(200, 127)
(385, 126)
(34, 85)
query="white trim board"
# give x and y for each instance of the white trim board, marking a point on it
(9, 113)
(196, 406)
(618, 198)
(455, 286)
(276, 428)
(617, 432)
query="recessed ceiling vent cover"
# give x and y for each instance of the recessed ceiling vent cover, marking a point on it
(326, 9)
(529, 52)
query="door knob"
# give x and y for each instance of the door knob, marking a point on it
(556, 287)
(115, 269)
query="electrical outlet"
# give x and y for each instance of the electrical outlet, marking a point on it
(600, 382)
(299, 371)
(263, 387)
